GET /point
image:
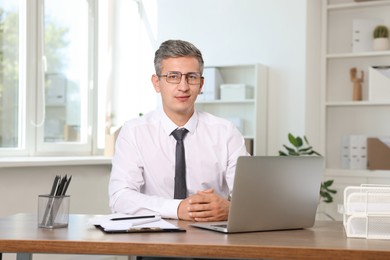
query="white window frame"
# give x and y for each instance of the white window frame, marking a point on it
(31, 141)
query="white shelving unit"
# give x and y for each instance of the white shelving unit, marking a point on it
(253, 112)
(340, 115)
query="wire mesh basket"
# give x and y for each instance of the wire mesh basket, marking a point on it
(366, 212)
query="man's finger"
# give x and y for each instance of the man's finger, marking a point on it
(211, 190)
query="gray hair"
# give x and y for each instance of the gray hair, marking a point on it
(175, 49)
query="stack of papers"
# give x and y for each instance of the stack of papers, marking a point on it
(123, 223)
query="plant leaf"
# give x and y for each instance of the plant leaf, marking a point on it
(306, 141)
(289, 149)
(305, 149)
(281, 153)
(291, 139)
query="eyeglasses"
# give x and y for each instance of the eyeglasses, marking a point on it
(174, 77)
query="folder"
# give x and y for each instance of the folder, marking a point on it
(378, 153)
(379, 83)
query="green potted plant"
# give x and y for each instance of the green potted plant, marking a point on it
(301, 147)
(381, 38)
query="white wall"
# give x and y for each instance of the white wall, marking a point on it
(274, 33)
(20, 187)
(313, 74)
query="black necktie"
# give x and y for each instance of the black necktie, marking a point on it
(180, 165)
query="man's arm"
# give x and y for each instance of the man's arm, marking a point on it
(127, 180)
(133, 202)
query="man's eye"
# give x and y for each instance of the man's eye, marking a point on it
(173, 76)
(192, 76)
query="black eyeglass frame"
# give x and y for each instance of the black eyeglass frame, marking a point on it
(181, 76)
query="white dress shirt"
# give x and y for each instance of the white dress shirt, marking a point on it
(143, 167)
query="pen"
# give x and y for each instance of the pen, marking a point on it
(66, 185)
(133, 217)
(145, 221)
(137, 222)
(54, 186)
(61, 186)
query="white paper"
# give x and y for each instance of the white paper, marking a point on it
(111, 225)
(379, 83)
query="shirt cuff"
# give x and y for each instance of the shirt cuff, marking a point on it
(170, 208)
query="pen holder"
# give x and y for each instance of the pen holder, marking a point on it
(53, 211)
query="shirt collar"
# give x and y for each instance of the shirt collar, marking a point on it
(169, 126)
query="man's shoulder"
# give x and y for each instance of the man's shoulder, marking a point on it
(211, 119)
(147, 119)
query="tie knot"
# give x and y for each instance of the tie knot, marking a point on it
(179, 134)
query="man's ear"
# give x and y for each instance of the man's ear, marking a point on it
(156, 83)
(201, 85)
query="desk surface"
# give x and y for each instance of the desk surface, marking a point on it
(19, 233)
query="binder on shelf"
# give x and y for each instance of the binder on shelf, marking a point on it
(354, 152)
(378, 153)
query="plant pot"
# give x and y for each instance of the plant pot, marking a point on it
(380, 44)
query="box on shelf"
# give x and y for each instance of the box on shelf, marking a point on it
(354, 152)
(379, 83)
(236, 92)
(212, 80)
(378, 153)
(366, 212)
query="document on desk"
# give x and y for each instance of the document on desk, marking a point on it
(123, 223)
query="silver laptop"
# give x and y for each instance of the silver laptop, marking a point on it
(272, 193)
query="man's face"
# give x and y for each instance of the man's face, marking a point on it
(178, 98)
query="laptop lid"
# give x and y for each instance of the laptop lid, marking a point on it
(273, 193)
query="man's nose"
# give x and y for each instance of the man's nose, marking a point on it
(183, 82)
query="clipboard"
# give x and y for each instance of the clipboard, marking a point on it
(123, 223)
(141, 230)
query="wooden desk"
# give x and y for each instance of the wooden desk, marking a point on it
(19, 233)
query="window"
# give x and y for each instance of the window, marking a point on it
(58, 61)
(47, 77)
(10, 110)
(64, 77)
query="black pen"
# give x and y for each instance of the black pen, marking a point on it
(54, 187)
(66, 185)
(133, 217)
(61, 186)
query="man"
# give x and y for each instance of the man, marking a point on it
(143, 168)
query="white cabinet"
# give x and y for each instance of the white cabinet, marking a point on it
(341, 116)
(250, 115)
